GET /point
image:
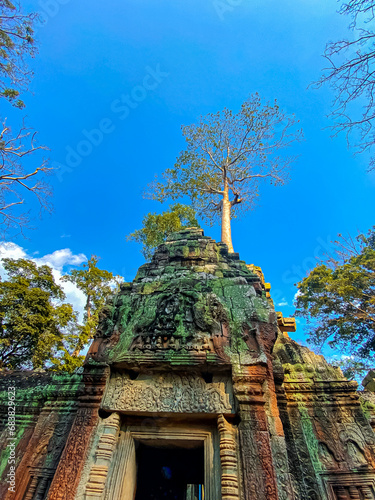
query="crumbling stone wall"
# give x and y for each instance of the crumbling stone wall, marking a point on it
(330, 441)
(45, 407)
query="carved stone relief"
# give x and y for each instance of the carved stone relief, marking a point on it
(327, 457)
(201, 342)
(203, 318)
(167, 392)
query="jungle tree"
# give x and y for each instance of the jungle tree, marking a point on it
(37, 329)
(227, 155)
(338, 298)
(98, 285)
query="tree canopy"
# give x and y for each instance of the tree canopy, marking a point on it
(338, 297)
(37, 329)
(350, 73)
(227, 154)
(98, 285)
(157, 227)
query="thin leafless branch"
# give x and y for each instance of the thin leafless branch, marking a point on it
(351, 75)
(17, 180)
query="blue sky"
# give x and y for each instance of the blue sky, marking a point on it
(126, 75)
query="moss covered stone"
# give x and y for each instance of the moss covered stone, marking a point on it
(191, 297)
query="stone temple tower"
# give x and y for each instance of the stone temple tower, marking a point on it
(193, 390)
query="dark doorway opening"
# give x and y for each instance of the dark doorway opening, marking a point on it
(170, 472)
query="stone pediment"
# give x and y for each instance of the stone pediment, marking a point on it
(193, 303)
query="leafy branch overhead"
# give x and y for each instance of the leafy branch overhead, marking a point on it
(227, 155)
(16, 42)
(338, 297)
(353, 368)
(350, 73)
(157, 227)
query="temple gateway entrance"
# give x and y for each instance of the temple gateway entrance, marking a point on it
(173, 471)
(161, 458)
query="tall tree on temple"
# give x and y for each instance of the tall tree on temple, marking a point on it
(227, 155)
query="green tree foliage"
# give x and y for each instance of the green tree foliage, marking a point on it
(37, 329)
(157, 227)
(98, 285)
(350, 74)
(16, 43)
(18, 145)
(227, 154)
(338, 297)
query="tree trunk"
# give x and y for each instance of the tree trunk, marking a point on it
(88, 312)
(226, 234)
(88, 307)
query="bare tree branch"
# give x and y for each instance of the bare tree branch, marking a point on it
(351, 75)
(22, 168)
(15, 181)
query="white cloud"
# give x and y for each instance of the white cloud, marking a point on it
(58, 261)
(61, 258)
(11, 250)
(282, 303)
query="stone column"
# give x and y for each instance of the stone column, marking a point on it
(32, 488)
(259, 479)
(68, 473)
(342, 493)
(103, 455)
(228, 457)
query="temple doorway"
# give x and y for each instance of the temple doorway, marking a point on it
(170, 472)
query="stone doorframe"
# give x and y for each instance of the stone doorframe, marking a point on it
(113, 473)
(212, 478)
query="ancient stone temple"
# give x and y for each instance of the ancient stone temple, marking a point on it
(191, 390)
